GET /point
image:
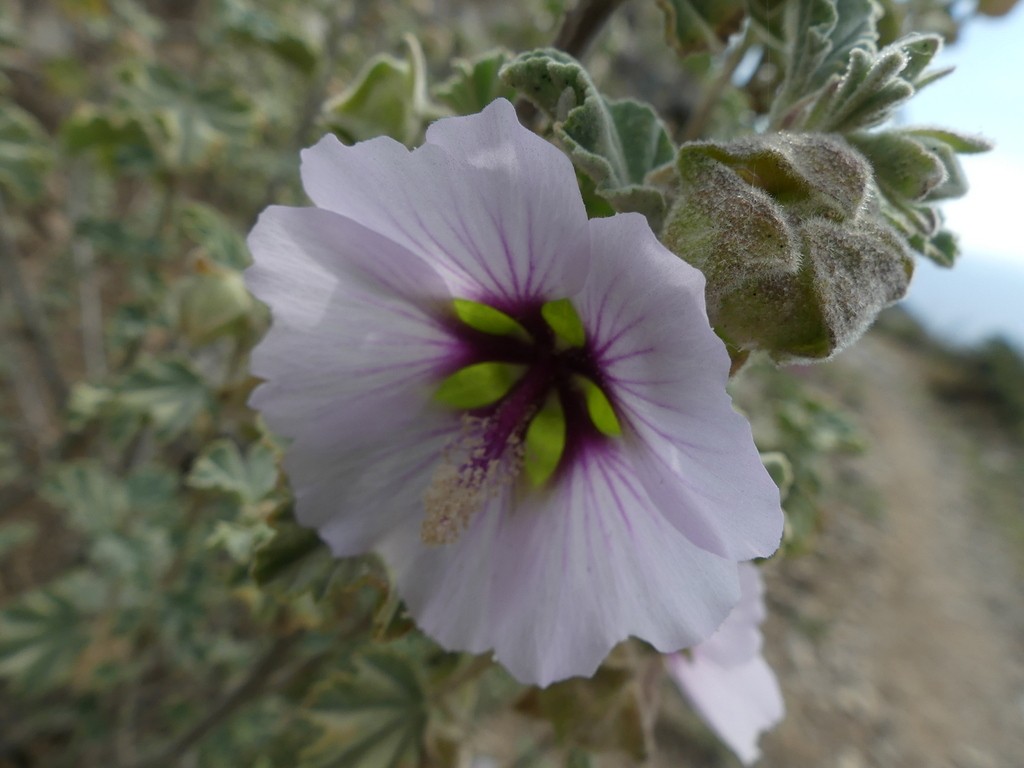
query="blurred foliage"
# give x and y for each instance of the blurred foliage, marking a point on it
(158, 603)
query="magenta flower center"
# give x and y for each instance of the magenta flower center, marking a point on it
(533, 397)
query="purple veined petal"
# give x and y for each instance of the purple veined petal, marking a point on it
(350, 364)
(494, 208)
(727, 680)
(552, 581)
(357, 492)
(666, 370)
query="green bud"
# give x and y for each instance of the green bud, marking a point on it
(786, 231)
(213, 303)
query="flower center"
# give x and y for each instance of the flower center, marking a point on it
(532, 396)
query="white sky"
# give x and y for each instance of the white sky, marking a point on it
(985, 95)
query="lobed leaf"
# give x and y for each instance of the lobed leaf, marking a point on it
(222, 467)
(169, 393)
(388, 97)
(43, 632)
(373, 717)
(475, 84)
(615, 143)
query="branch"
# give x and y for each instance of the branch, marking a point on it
(582, 24)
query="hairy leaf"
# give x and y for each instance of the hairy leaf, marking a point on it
(616, 143)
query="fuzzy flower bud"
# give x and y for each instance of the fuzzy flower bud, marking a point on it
(786, 229)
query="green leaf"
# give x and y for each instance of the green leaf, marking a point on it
(961, 143)
(96, 500)
(904, 168)
(487, 319)
(296, 560)
(475, 83)
(916, 167)
(374, 717)
(819, 39)
(388, 96)
(562, 318)
(693, 26)
(269, 29)
(222, 467)
(544, 442)
(478, 385)
(118, 139)
(167, 392)
(873, 85)
(609, 711)
(43, 632)
(212, 305)
(220, 240)
(781, 470)
(186, 120)
(25, 154)
(616, 143)
(807, 45)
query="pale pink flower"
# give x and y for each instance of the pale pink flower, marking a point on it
(637, 522)
(727, 679)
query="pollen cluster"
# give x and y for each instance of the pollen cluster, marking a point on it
(470, 474)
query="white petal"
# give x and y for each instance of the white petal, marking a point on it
(739, 702)
(495, 209)
(553, 581)
(729, 683)
(739, 640)
(666, 370)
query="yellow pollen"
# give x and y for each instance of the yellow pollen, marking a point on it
(465, 480)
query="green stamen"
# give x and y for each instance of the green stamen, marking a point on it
(599, 407)
(478, 385)
(482, 317)
(561, 316)
(545, 442)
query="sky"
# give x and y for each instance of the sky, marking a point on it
(984, 293)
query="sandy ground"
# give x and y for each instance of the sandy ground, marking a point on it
(900, 642)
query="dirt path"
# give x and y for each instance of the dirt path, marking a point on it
(900, 642)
